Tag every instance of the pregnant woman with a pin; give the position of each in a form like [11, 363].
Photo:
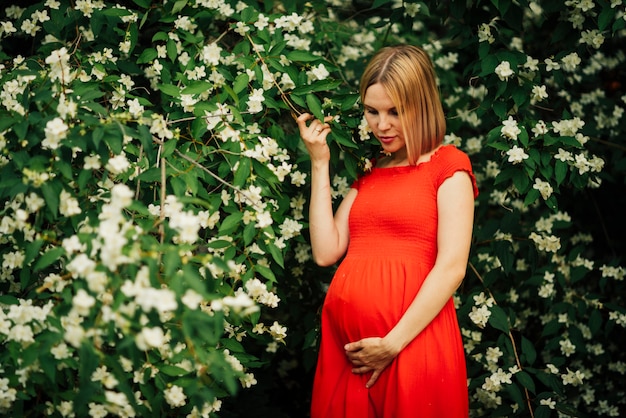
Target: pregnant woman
[390, 344]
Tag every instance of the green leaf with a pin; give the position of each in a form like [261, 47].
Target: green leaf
[595, 322]
[498, 319]
[525, 380]
[249, 233]
[528, 350]
[560, 170]
[531, 197]
[243, 172]
[277, 255]
[606, 16]
[178, 6]
[302, 56]
[315, 106]
[153, 174]
[171, 262]
[32, 250]
[231, 222]
[169, 90]
[170, 370]
[172, 52]
[500, 109]
[504, 251]
[51, 192]
[521, 182]
[143, 3]
[148, 55]
[241, 83]
[265, 272]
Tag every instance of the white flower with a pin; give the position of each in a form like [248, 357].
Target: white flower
[563, 155]
[548, 402]
[92, 162]
[544, 188]
[55, 131]
[546, 290]
[264, 219]
[175, 396]
[531, 64]
[510, 129]
[504, 71]
[118, 164]
[192, 299]
[567, 347]
[278, 332]
[318, 73]
[60, 351]
[539, 93]
[573, 378]
[298, 178]
[516, 155]
[290, 228]
[480, 316]
[21, 333]
[484, 34]
[187, 225]
[74, 334]
[592, 37]
[210, 54]
[571, 62]
[162, 300]
[82, 302]
[59, 65]
[150, 338]
[159, 127]
[68, 205]
[248, 380]
[551, 65]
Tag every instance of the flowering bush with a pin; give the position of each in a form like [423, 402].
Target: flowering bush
[153, 198]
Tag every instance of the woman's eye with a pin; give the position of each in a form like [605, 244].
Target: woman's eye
[371, 111]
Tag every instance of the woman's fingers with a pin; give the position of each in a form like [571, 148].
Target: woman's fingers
[316, 127]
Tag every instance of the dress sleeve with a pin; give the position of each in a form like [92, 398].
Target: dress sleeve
[452, 161]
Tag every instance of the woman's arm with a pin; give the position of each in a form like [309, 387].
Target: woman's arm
[329, 233]
[455, 202]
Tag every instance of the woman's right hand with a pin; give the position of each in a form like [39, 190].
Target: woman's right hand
[314, 136]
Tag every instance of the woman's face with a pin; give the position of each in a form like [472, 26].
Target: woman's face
[382, 117]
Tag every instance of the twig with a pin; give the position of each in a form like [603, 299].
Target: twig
[294, 111]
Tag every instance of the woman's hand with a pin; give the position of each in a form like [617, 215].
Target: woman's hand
[314, 136]
[370, 355]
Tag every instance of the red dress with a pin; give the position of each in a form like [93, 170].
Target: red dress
[393, 230]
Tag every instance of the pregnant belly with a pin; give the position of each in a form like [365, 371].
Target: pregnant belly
[367, 298]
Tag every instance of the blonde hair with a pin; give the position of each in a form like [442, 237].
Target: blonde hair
[408, 76]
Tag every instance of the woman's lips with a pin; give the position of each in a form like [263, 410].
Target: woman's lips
[386, 139]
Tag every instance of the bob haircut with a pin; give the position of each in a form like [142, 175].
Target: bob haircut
[408, 76]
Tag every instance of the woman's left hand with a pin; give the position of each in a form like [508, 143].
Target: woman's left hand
[370, 355]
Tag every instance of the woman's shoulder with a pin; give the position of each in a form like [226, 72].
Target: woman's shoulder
[449, 160]
[451, 151]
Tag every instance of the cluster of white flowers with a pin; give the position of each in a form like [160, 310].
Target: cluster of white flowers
[547, 243]
[257, 290]
[186, 223]
[547, 290]
[481, 313]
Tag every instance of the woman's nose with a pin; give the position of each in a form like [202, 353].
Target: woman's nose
[383, 122]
